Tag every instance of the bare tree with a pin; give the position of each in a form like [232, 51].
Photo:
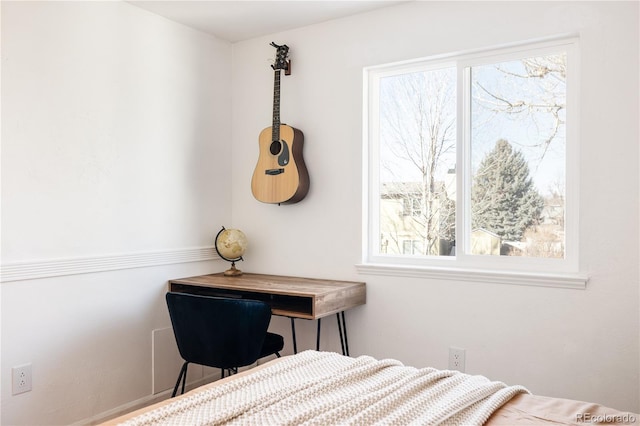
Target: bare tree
[419, 132]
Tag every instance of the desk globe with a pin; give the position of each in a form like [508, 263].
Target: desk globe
[230, 244]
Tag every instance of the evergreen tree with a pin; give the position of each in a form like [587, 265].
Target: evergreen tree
[503, 197]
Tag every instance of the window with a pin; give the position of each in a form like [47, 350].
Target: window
[412, 206]
[471, 160]
[412, 247]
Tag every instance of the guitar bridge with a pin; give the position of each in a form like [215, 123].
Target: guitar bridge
[273, 171]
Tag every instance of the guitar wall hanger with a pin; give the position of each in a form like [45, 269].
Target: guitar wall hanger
[286, 62]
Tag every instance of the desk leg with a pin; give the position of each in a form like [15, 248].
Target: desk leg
[293, 334]
[345, 348]
[340, 331]
[346, 340]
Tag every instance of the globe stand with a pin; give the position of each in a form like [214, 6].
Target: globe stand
[234, 255]
[232, 272]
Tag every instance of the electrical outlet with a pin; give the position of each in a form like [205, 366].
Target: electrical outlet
[456, 359]
[21, 379]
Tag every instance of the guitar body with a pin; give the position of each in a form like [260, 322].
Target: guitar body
[280, 175]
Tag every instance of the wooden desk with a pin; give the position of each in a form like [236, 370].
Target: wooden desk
[293, 297]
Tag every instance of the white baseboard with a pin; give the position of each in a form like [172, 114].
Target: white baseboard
[141, 403]
[124, 409]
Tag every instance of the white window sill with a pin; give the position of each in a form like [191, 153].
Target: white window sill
[577, 281]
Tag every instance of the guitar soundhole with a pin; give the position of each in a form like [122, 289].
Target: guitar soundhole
[275, 147]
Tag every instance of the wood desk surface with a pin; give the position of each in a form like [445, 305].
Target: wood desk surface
[297, 297]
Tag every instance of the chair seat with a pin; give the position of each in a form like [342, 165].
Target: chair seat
[272, 343]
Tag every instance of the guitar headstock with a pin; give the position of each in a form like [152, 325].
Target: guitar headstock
[280, 62]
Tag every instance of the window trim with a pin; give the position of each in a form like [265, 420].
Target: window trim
[518, 270]
[575, 281]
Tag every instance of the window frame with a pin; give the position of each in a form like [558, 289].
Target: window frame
[513, 269]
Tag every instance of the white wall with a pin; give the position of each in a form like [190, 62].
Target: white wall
[580, 344]
[115, 153]
[116, 141]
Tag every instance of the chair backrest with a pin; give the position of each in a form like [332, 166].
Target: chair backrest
[218, 332]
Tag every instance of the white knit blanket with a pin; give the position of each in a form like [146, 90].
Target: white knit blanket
[322, 388]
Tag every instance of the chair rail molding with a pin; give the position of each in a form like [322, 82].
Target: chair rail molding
[34, 269]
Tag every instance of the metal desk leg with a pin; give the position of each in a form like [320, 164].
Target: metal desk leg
[318, 336]
[293, 334]
[340, 331]
[345, 350]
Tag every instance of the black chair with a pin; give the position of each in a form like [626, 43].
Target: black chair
[220, 332]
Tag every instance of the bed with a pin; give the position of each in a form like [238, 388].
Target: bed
[325, 388]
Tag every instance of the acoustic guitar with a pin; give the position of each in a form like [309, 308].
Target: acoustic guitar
[280, 176]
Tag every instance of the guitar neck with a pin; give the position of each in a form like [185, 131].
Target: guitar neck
[275, 128]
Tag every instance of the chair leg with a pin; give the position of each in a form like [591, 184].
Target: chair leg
[182, 376]
[278, 354]
[230, 371]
